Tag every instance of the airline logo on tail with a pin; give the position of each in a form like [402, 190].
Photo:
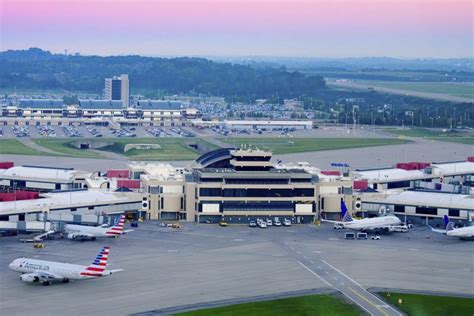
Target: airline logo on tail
[97, 268]
[345, 214]
[449, 225]
[117, 229]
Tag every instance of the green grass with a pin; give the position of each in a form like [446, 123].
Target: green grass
[63, 146]
[14, 147]
[296, 145]
[304, 305]
[433, 135]
[428, 305]
[415, 132]
[171, 148]
[460, 140]
[451, 88]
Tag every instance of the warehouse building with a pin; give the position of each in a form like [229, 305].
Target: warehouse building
[411, 175]
[42, 179]
[255, 124]
[80, 206]
[422, 207]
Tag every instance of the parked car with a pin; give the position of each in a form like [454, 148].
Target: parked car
[252, 224]
[276, 222]
[286, 222]
[269, 222]
[338, 226]
[262, 224]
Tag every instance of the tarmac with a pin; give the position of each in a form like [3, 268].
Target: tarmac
[203, 263]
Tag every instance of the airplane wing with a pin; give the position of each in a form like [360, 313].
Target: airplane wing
[128, 230]
[44, 276]
[440, 231]
[331, 221]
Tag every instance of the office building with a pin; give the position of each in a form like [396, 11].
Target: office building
[117, 88]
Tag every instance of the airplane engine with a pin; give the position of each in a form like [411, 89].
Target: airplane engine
[71, 236]
[28, 278]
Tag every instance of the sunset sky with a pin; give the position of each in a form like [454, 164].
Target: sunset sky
[308, 28]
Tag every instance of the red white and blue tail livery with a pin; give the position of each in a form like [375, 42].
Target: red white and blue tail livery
[80, 232]
[387, 223]
[45, 272]
[97, 268]
[466, 233]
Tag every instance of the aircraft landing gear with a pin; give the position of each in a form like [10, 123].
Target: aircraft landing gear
[45, 283]
[65, 280]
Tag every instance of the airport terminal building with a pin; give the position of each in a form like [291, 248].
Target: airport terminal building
[89, 111]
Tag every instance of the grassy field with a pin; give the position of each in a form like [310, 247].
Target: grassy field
[303, 305]
[171, 148]
[63, 146]
[433, 135]
[416, 132]
[460, 140]
[14, 147]
[295, 145]
[428, 305]
[451, 88]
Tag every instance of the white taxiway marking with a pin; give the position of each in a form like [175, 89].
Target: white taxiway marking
[315, 274]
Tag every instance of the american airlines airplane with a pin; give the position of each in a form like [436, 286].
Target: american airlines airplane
[384, 223]
[463, 232]
[45, 272]
[79, 232]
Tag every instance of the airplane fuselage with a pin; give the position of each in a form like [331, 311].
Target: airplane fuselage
[62, 270]
[373, 223]
[89, 231]
[463, 232]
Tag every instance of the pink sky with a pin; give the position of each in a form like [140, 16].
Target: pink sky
[318, 28]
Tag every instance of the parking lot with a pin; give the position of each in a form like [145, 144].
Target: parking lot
[89, 131]
[167, 267]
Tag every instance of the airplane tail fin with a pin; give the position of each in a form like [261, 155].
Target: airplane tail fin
[118, 228]
[345, 214]
[98, 266]
[449, 225]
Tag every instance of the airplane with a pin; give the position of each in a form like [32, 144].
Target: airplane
[463, 232]
[385, 224]
[79, 232]
[44, 272]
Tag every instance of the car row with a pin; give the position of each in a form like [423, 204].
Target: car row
[157, 132]
[123, 132]
[94, 131]
[21, 131]
[71, 131]
[264, 223]
[46, 130]
[181, 132]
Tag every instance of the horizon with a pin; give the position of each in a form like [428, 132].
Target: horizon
[417, 29]
[72, 53]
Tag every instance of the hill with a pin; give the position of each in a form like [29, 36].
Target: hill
[36, 68]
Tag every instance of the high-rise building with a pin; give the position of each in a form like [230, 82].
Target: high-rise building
[117, 88]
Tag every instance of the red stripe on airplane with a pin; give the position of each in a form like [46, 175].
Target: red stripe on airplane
[95, 269]
[91, 274]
